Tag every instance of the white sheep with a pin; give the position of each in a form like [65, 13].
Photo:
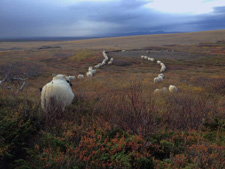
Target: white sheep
[80, 76]
[98, 65]
[161, 74]
[103, 62]
[145, 57]
[162, 90]
[158, 79]
[105, 55]
[90, 68]
[159, 62]
[57, 94]
[89, 74]
[93, 71]
[163, 68]
[142, 56]
[173, 88]
[110, 61]
[152, 59]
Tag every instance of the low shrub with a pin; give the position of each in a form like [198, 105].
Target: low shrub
[19, 125]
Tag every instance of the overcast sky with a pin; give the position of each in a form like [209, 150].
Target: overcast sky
[85, 18]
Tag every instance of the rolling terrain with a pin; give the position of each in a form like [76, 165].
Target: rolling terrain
[130, 42]
[116, 120]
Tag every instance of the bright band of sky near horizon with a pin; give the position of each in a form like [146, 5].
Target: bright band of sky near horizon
[185, 6]
[165, 6]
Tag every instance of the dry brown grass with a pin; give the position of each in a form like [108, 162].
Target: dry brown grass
[122, 93]
[118, 43]
[187, 125]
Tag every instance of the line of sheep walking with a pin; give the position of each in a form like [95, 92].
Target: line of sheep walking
[160, 77]
[58, 92]
[106, 58]
[92, 71]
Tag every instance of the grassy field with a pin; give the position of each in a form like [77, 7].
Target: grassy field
[115, 120]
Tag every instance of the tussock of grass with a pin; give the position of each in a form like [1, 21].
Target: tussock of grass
[81, 55]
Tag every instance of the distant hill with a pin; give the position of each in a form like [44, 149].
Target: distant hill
[24, 39]
[124, 42]
[142, 33]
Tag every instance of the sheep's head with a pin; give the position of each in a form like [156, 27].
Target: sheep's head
[64, 77]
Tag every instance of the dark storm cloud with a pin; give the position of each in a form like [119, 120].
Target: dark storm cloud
[211, 21]
[26, 18]
[129, 15]
[116, 12]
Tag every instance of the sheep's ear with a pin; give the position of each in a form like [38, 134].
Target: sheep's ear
[71, 77]
[53, 74]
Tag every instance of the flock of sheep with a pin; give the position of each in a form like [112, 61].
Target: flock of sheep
[60, 92]
[59, 89]
[160, 77]
[92, 71]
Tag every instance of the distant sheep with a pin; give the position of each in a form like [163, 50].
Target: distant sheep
[90, 69]
[151, 59]
[162, 90]
[105, 55]
[93, 71]
[145, 57]
[163, 67]
[57, 94]
[158, 79]
[110, 61]
[80, 76]
[173, 89]
[98, 65]
[161, 75]
[159, 62]
[103, 62]
[89, 74]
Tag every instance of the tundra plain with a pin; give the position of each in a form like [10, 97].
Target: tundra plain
[116, 120]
